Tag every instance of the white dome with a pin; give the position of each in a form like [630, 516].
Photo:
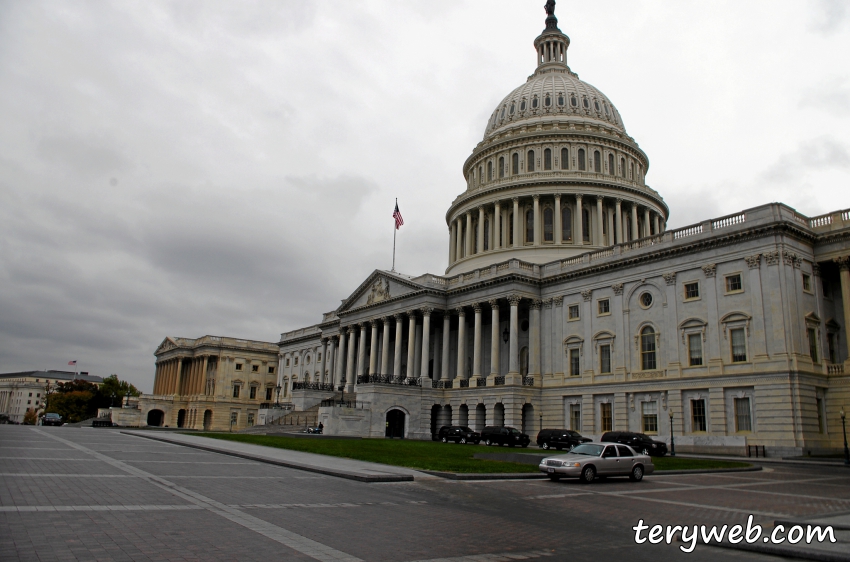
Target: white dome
[568, 98]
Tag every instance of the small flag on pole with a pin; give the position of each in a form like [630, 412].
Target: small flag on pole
[397, 216]
[72, 362]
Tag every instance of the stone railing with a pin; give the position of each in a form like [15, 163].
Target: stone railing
[528, 381]
[687, 231]
[729, 220]
[312, 386]
[442, 384]
[386, 379]
[837, 218]
[499, 381]
[835, 369]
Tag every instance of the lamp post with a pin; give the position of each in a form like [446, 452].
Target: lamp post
[128, 398]
[112, 404]
[506, 335]
[672, 443]
[277, 400]
[844, 430]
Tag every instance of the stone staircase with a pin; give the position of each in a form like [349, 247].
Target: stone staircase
[296, 420]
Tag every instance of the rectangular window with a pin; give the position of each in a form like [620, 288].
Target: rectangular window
[698, 415]
[742, 415]
[271, 370]
[694, 349]
[296, 361]
[234, 418]
[604, 359]
[739, 345]
[807, 283]
[255, 368]
[575, 363]
[253, 392]
[250, 419]
[575, 417]
[603, 306]
[239, 366]
[236, 389]
[605, 417]
[733, 283]
[573, 312]
[319, 358]
[691, 290]
[813, 344]
[287, 362]
[821, 424]
[269, 393]
[649, 416]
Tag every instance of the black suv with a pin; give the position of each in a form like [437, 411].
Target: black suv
[560, 439]
[51, 419]
[637, 441]
[504, 436]
[458, 434]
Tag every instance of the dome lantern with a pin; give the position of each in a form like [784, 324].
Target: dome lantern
[552, 44]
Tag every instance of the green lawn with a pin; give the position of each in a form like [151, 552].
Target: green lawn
[429, 455]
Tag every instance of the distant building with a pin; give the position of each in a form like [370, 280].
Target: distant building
[26, 390]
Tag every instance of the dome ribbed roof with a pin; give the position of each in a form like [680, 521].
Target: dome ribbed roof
[570, 99]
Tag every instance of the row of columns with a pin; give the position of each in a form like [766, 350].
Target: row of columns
[844, 277]
[464, 243]
[183, 376]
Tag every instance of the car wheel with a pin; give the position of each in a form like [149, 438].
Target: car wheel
[545, 446]
[588, 475]
[487, 442]
[445, 440]
[645, 451]
[554, 477]
[637, 474]
[462, 441]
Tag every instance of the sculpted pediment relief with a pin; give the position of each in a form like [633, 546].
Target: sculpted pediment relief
[379, 287]
[166, 345]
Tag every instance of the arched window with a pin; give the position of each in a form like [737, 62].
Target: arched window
[584, 102]
[566, 224]
[534, 102]
[502, 115]
[475, 237]
[611, 169]
[565, 159]
[596, 105]
[501, 166]
[548, 224]
[561, 99]
[631, 170]
[522, 105]
[597, 161]
[511, 229]
[623, 167]
[547, 159]
[515, 163]
[489, 171]
[585, 225]
[480, 174]
[605, 105]
[529, 226]
[573, 101]
[513, 105]
[486, 234]
[582, 165]
[647, 349]
[530, 162]
[547, 101]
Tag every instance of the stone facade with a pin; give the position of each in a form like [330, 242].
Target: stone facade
[27, 390]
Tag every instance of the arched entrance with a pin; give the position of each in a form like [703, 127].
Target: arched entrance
[480, 417]
[528, 419]
[207, 420]
[395, 424]
[181, 418]
[435, 418]
[499, 415]
[155, 418]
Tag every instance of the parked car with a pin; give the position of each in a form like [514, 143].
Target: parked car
[51, 419]
[560, 439]
[637, 441]
[458, 434]
[589, 461]
[504, 436]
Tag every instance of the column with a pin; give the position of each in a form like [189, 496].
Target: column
[411, 343]
[458, 239]
[516, 222]
[156, 380]
[844, 275]
[447, 324]
[513, 359]
[385, 347]
[468, 238]
[476, 342]
[399, 332]
[610, 240]
[600, 236]
[461, 343]
[373, 350]
[647, 228]
[452, 245]
[349, 360]
[497, 230]
[479, 247]
[578, 234]
[361, 351]
[534, 339]
[537, 229]
[558, 226]
[179, 377]
[495, 337]
[340, 359]
[656, 224]
[324, 363]
[619, 212]
[202, 383]
[417, 356]
[635, 234]
[332, 361]
[426, 343]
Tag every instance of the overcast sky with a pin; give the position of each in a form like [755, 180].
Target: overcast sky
[229, 168]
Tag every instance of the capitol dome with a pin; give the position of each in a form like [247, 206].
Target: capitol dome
[555, 176]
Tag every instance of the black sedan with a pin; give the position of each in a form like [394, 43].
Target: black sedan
[560, 439]
[638, 441]
[458, 434]
[51, 419]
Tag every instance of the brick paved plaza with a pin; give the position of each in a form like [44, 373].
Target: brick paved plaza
[89, 494]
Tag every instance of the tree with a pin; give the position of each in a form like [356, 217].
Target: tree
[30, 417]
[75, 400]
[112, 385]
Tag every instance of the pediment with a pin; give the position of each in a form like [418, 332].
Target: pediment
[379, 287]
[167, 345]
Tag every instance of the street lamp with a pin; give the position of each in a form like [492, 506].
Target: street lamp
[672, 443]
[112, 404]
[128, 397]
[506, 335]
[277, 400]
[844, 430]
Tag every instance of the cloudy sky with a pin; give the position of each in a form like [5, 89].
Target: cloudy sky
[229, 168]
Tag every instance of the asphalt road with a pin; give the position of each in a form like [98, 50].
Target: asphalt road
[97, 494]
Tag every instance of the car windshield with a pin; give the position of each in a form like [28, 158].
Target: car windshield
[514, 431]
[465, 429]
[588, 449]
[574, 433]
[51, 415]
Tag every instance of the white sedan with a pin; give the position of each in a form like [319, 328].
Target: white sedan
[591, 460]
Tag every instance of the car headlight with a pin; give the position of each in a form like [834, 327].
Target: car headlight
[576, 464]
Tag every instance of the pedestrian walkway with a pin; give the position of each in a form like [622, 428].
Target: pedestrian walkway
[333, 466]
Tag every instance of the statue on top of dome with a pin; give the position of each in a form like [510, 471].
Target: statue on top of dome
[550, 7]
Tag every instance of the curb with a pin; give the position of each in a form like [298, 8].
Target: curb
[777, 550]
[486, 476]
[286, 464]
[706, 470]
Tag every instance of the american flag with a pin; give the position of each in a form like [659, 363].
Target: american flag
[397, 216]
[72, 362]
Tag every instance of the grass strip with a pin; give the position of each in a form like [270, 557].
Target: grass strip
[425, 455]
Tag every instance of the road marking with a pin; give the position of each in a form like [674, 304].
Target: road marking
[278, 534]
[48, 475]
[505, 557]
[45, 508]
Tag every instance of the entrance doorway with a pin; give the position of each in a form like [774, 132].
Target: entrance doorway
[395, 424]
[181, 418]
[155, 418]
[207, 420]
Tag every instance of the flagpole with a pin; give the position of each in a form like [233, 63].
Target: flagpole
[395, 228]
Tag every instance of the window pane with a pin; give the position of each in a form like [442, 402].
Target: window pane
[566, 224]
[611, 168]
[565, 159]
[547, 159]
[698, 415]
[695, 349]
[739, 347]
[606, 417]
[575, 364]
[530, 161]
[515, 163]
[605, 358]
[649, 411]
[529, 226]
[813, 344]
[647, 342]
[604, 306]
[733, 283]
[501, 167]
[742, 414]
[597, 161]
[691, 290]
[548, 225]
[582, 165]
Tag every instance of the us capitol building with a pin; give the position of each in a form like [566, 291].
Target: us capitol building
[566, 303]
